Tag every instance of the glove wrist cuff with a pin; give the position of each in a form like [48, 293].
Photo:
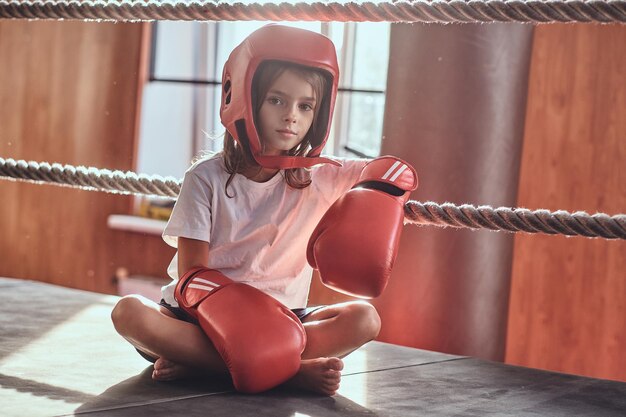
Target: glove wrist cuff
[192, 288]
[390, 170]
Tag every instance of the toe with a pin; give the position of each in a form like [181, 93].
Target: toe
[158, 364]
[331, 373]
[331, 389]
[335, 363]
[162, 363]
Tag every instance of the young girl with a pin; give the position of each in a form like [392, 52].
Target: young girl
[248, 212]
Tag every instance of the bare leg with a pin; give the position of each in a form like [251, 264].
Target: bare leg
[339, 329]
[332, 333]
[153, 330]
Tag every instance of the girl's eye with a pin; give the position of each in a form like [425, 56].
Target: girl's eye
[306, 107]
[273, 100]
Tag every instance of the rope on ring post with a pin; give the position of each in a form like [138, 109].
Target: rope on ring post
[442, 11]
[561, 222]
[90, 178]
[447, 214]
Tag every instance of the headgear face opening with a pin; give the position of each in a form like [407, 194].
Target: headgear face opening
[285, 44]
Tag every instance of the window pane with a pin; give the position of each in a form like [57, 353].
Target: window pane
[184, 50]
[166, 129]
[366, 122]
[175, 43]
[371, 56]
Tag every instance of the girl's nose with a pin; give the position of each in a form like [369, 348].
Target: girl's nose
[290, 115]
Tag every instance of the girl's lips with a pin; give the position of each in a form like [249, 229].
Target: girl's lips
[286, 132]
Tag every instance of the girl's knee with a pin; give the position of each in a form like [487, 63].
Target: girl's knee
[126, 312]
[373, 322]
[366, 319]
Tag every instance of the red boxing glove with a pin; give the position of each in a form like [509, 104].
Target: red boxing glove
[355, 244]
[259, 339]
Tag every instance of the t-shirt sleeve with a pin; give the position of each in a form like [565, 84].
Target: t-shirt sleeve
[335, 181]
[191, 216]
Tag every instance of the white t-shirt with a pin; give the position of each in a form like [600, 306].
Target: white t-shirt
[260, 235]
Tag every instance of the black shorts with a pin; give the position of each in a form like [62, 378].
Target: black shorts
[184, 316]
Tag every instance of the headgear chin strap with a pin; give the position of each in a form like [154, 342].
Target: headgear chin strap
[276, 43]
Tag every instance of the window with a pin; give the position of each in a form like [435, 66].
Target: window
[180, 111]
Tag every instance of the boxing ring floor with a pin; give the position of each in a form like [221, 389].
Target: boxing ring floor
[60, 356]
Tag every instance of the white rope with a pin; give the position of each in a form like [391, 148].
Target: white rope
[442, 11]
[90, 178]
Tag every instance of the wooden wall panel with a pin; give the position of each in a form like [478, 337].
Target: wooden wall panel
[69, 93]
[568, 297]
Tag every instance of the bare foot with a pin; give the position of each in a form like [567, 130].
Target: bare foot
[320, 375]
[166, 370]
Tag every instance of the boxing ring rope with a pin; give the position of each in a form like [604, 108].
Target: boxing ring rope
[442, 11]
[429, 213]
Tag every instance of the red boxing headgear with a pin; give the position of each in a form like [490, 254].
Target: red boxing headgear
[276, 43]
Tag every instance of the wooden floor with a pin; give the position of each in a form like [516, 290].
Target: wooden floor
[60, 356]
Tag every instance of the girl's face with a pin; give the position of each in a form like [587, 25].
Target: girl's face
[286, 113]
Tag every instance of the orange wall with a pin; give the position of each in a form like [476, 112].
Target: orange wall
[568, 295]
[69, 93]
